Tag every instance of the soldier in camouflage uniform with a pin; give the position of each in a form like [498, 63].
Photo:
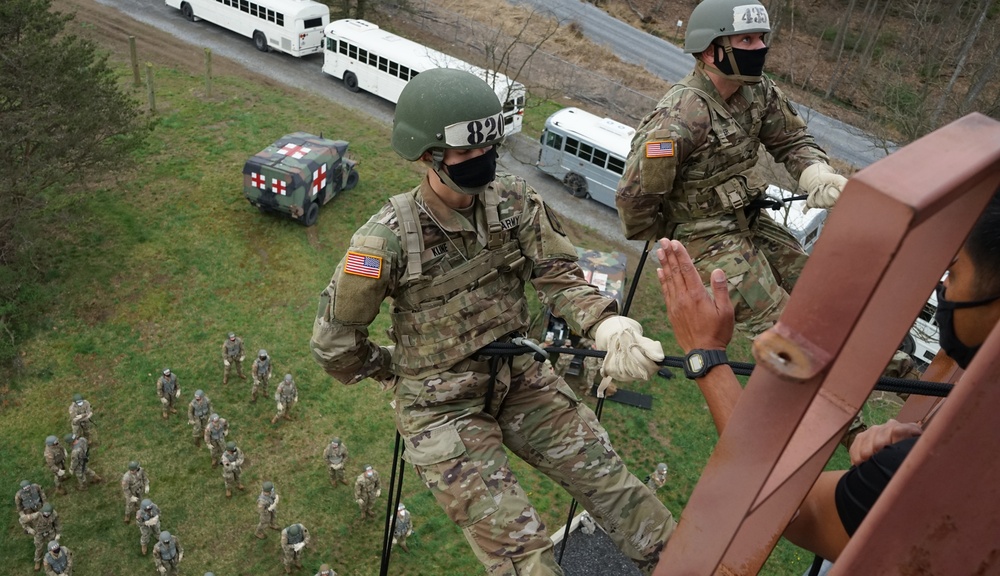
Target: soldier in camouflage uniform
[325, 570]
[168, 391]
[58, 560]
[658, 478]
[79, 459]
[199, 410]
[147, 518]
[80, 416]
[336, 457]
[135, 484]
[45, 527]
[403, 528]
[454, 255]
[692, 176]
[232, 353]
[261, 373]
[294, 540]
[232, 468]
[367, 488]
[167, 554]
[215, 437]
[267, 509]
[28, 500]
[285, 396]
[55, 461]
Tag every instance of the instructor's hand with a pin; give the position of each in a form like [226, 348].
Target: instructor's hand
[630, 355]
[699, 320]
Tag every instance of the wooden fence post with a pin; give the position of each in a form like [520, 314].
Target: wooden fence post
[136, 81]
[208, 72]
[149, 87]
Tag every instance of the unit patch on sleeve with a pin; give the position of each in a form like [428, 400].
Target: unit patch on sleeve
[363, 265]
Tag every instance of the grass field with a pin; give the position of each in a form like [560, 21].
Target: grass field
[159, 264]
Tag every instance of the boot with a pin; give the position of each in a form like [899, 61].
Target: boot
[197, 441]
[344, 482]
[242, 377]
[240, 487]
[164, 414]
[127, 519]
[96, 479]
[288, 569]
[298, 563]
[274, 527]
[275, 419]
[403, 546]
[288, 416]
[61, 490]
[229, 493]
[253, 397]
[214, 462]
[225, 380]
[260, 535]
[173, 410]
[38, 566]
[144, 550]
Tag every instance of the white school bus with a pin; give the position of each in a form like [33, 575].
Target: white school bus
[368, 58]
[291, 26]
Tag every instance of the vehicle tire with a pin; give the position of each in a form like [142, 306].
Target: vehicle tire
[260, 41]
[187, 12]
[352, 180]
[908, 345]
[351, 81]
[576, 184]
[312, 214]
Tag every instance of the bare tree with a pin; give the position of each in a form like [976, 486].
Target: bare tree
[962, 58]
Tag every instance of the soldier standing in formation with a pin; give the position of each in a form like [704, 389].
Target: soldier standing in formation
[80, 462]
[215, 437]
[199, 410]
[232, 353]
[454, 255]
[147, 518]
[294, 539]
[336, 457]
[286, 395]
[55, 460]
[325, 570]
[267, 509]
[28, 500]
[80, 416]
[167, 554]
[260, 370]
[135, 484]
[692, 176]
[45, 527]
[658, 478]
[232, 467]
[58, 560]
[403, 528]
[168, 391]
[367, 488]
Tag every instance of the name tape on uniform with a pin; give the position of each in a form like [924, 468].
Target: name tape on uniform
[474, 132]
[363, 265]
[660, 149]
[750, 16]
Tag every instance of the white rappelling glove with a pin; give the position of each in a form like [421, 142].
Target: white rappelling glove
[226, 363]
[822, 184]
[630, 355]
[163, 401]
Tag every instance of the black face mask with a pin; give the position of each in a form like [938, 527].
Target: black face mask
[957, 350]
[750, 62]
[475, 172]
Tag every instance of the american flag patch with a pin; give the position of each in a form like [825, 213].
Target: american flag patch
[660, 149]
[363, 265]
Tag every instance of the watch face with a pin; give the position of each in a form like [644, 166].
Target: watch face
[696, 363]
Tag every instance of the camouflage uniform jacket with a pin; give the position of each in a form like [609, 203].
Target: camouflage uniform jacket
[55, 458]
[63, 564]
[135, 484]
[231, 461]
[169, 553]
[404, 524]
[199, 410]
[215, 433]
[232, 350]
[78, 410]
[80, 455]
[286, 393]
[266, 499]
[365, 488]
[30, 499]
[46, 527]
[167, 386]
[692, 165]
[261, 368]
[463, 290]
[335, 455]
[287, 540]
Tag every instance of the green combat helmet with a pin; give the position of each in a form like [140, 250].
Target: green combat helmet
[446, 108]
[146, 503]
[133, 465]
[231, 446]
[47, 509]
[69, 438]
[164, 537]
[25, 484]
[51, 440]
[716, 20]
[78, 398]
[268, 486]
[294, 530]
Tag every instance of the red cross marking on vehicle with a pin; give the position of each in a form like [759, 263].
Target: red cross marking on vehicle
[258, 180]
[319, 179]
[294, 150]
[278, 187]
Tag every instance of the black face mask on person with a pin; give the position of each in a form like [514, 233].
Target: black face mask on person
[475, 172]
[749, 62]
[957, 350]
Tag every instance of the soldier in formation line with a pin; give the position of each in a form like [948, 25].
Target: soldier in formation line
[232, 353]
[168, 391]
[260, 370]
[403, 528]
[215, 437]
[285, 396]
[135, 484]
[58, 560]
[167, 554]
[55, 461]
[199, 411]
[80, 462]
[80, 418]
[28, 500]
[336, 457]
[658, 477]
[367, 488]
[147, 518]
[267, 509]
[232, 468]
[325, 570]
[45, 527]
[294, 540]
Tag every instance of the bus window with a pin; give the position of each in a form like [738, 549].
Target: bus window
[572, 145]
[352, 52]
[616, 165]
[310, 23]
[383, 64]
[600, 157]
[393, 68]
[245, 6]
[343, 47]
[553, 140]
[586, 152]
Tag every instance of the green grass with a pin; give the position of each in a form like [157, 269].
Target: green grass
[154, 269]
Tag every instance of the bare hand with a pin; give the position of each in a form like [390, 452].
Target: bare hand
[877, 437]
[699, 320]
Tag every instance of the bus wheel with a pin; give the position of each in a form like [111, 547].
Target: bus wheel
[908, 345]
[576, 184]
[260, 41]
[352, 180]
[312, 214]
[187, 12]
[351, 81]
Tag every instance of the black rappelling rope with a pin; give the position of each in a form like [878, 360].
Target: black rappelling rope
[395, 492]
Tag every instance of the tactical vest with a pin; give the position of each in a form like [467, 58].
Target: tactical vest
[57, 455]
[439, 321]
[265, 500]
[57, 564]
[295, 539]
[263, 366]
[286, 393]
[229, 459]
[200, 408]
[78, 410]
[402, 523]
[217, 432]
[134, 483]
[336, 455]
[232, 348]
[168, 551]
[145, 516]
[31, 499]
[45, 526]
[725, 181]
[169, 384]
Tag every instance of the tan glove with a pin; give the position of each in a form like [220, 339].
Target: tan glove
[146, 489]
[630, 355]
[152, 521]
[299, 546]
[163, 401]
[280, 406]
[378, 493]
[226, 363]
[133, 499]
[361, 502]
[822, 184]
[61, 473]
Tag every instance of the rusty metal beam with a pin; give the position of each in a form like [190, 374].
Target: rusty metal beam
[894, 231]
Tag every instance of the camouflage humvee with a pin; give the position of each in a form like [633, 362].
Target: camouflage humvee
[297, 174]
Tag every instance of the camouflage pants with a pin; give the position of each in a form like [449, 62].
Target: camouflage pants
[587, 376]
[41, 544]
[171, 566]
[132, 507]
[268, 519]
[84, 429]
[232, 478]
[58, 480]
[259, 387]
[234, 361]
[217, 447]
[147, 532]
[457, 448]
[169, 405]
[337, 474]
[369, 504]
[285, 407]
[84, 477]
[290, 557]
[198, 428]
[762, 267]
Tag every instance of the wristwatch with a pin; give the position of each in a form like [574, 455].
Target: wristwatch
[698, 362]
